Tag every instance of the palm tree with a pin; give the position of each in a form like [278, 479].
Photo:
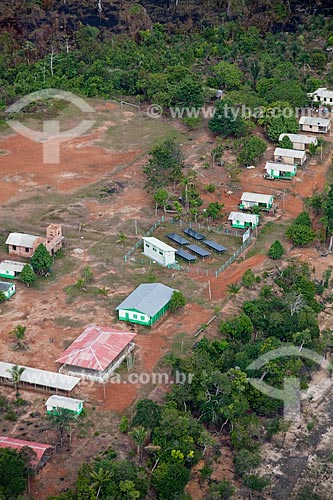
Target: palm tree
[233, 288]
[188, 182]
[62, 418]
[15, 376]
[121, 238]
[19, 332]
[103, 291]
[99, 478]
[139, 435]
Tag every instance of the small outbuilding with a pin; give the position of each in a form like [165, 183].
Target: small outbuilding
[159, 251]
[146, 304]
[280, 170]
[313, 124]
[7, 288]
[11, 268]
[96, 353]
[300, 141]
[262, 201]
[289, 156]
[55, 402]
[243, 220]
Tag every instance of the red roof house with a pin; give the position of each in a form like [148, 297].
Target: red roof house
[39, 448]
[97, 352]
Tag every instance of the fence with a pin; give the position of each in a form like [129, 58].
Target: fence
[197, 225]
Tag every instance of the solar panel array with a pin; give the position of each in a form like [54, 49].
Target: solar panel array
[185, 255]
[177, 239]
[194, 234]
[199, 251]
[215, 246]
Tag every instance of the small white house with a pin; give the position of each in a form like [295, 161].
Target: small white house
[159, 251]
[322, 95]
[250, 200]
[280, 170]
[55, 402]
[11, 268]
[313, 124]
[243, 220]
[289, 156]
[300, 141]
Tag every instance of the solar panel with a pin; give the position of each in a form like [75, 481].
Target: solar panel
[185, 255]
[177, 239]
[199, 251]
[215, 246]
[194, 234]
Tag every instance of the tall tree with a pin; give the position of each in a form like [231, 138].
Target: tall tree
[15, 376]
[41, 260]
[164, 166]
[19, 332]
[62, 419]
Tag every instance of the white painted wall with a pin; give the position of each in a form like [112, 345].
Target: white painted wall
[162, 257]
[131, 315]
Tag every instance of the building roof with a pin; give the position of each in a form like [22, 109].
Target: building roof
[302, 139]
[159, 244]
[17, 444]
[282, 167]
[148, 298]
[322, 92]
[21, 240]
[312, 120]
[96, 348]
[243, 217]
[260, 198]
[12, 265]
[5, 286]
[42, 378]
[289, 153]
[63, 402]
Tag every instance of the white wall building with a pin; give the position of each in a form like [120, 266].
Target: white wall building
[300, 141]
[159, 251]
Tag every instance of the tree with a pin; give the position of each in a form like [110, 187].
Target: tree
[128, 487]
[169, 479]
[303, 219]
[27, 275]
[248, 278]
[87, 274]
[281, 125]
[177, 301]
[2, 297]
[121, 238]
[62, 418]
[41, 260]
[12, 474]
[147, 414]
[164, 166]
[276, 250]
[161, 197]
[15, 373]
[227, 120]
[227, 75]
[239, 328]
[223, 490]
[300, 235]
[99, 477]
[286, 143]
[139, 435]
[188, 93]
[233, 288]
[245, 460]
[214, 209]
[252, 150]
[19, 332]
[255, 482]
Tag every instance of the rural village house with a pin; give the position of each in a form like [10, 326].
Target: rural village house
[313, 124]
[96, 353]
[243, 220]
[43, 451]
[25, 245]
[7, 288]
[280, 170]
[300, 141]
[55, 402]
[290, 156]
[250, 200]
[322, 95]
[146, 304]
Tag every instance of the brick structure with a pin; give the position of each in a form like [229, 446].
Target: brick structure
[24, 245]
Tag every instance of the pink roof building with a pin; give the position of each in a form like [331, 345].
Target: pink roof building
[97, 352]
[39, 448]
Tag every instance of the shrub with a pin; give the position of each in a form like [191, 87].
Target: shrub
[276, 250]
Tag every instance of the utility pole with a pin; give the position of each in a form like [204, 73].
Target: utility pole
[209, 291]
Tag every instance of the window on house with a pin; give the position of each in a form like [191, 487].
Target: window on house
[161, 253]
[27, 249]
[14, 247]
[154, 249]
[310, 126]
[142, 318]
[135, 316]
[148, 246]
